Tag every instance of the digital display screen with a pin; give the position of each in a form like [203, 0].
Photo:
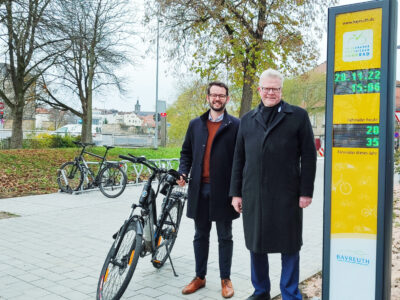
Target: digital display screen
[356, 135]
[357, 82]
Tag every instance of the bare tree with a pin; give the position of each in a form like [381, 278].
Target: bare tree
[24, 36]
[98, 31]
[58, 117]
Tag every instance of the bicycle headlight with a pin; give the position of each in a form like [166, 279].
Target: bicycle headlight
[170, 179]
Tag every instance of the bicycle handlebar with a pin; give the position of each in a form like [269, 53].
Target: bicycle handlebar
[134, 159]
[144, 161]
[186, 178]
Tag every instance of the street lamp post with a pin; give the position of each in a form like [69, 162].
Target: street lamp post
[156, 114]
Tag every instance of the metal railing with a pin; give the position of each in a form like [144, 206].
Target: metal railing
[141, 172]
[112, 139]
[122, 140]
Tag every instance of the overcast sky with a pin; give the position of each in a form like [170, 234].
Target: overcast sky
[142, 83]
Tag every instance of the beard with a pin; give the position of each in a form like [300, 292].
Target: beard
[218, 109]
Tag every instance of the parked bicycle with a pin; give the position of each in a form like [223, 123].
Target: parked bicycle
[143, 234]
[74, 175]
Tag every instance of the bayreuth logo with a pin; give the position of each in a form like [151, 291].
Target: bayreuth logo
[353, 257]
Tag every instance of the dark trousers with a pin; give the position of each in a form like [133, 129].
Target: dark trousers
[201, 240]
[289, 275]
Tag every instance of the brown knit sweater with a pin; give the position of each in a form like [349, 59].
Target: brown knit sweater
[212, 130]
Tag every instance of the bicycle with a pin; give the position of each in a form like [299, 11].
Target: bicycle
[110, 178]
[143, 234]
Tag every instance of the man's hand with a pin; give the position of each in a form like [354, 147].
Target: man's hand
[305, 201]
[181, 181]
[237, 204]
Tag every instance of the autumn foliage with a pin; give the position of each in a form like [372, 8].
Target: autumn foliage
[30, 171]
[33, 171]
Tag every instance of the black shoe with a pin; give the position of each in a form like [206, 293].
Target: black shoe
[265, 296]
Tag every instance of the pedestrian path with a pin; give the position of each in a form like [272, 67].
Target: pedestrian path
[56, 248]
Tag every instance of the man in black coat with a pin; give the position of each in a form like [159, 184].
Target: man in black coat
[207, 153]
[272, 181]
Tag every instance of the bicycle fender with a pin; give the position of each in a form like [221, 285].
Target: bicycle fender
[139, 228]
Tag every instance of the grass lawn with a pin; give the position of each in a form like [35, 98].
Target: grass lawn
[33, 171]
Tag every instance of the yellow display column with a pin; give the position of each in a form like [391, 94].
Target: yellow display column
[355, 155]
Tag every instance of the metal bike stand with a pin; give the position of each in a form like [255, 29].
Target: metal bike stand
[170, 261]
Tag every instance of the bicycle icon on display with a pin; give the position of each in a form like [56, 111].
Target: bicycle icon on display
[344, 187]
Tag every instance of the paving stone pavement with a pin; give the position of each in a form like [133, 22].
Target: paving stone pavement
[56, 249]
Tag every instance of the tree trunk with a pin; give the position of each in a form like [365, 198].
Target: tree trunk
[87, 127]
[87, 112]
[17, 133]
[247, 94]
[249, 77]
[87, 116]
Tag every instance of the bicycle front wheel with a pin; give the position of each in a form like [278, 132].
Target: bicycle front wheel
[112, 181]
[167, 234]
[120, 264]
[69, 177]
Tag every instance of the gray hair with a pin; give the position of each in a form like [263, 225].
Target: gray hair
[271, 73]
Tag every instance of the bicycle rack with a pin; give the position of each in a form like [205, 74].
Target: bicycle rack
[138, 169]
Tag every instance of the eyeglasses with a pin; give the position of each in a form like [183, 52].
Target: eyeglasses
[274, 90]
[215, 96]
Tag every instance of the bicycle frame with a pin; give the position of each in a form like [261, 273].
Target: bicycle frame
[83, 165]
[148, 214]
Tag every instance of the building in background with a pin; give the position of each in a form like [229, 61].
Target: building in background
[147, 117]
[140, 113]
[317, 112]
[42, 119]
[52, 119]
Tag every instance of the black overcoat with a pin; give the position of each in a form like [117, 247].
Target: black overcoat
[221, 158]
[272, 168]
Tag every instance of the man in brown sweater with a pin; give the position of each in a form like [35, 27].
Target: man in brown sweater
[207, 154]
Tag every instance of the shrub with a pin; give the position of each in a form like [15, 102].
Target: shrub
[64, 141]
[45, 140]
[397, 161]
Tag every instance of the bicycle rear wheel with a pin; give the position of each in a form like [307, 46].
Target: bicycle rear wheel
[69, 177]
[119, 266]
[112, 181]
[168, 232]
